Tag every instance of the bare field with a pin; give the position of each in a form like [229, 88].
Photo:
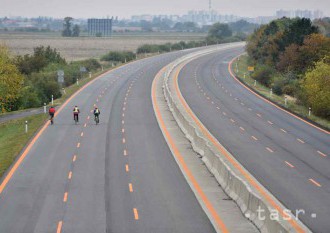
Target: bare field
[87, 47]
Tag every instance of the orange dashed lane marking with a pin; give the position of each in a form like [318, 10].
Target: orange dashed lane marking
[254, 138]
[123, 130]
[74, 158]
[78, 144]
[127, 168]
[82, 134]
[85, 125]
[70, 175]
[258, 115]
[232, 120]
[242, 128]
[270, 122]
[315, 183]
[283, 131]
[130, 186]
[65, 198]
[136, 214]
[125, 152]
[59, 227]
[124, 140]
[289, 164]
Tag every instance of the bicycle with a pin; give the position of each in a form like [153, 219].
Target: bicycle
[97, 119]
[75, 116]
[51, 119]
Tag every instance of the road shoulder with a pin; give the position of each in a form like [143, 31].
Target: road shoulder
[223, 212]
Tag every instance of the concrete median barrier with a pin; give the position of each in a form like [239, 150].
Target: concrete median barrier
[227, 175]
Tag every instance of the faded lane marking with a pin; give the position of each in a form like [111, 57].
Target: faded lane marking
[324, 155]
[289, 164]
[315, 183]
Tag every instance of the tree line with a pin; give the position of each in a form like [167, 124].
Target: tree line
[292, 56]
[29, 81]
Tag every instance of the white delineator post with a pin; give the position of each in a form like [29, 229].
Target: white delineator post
[26, 126]
[45, 108]
[52, 99]
[309, 111]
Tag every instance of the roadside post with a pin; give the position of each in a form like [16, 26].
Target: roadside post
[271, 92]
[52, 99]
[77, 81]
[255, 82]
[26, 126]
[286, 101]
[309, 111]
[90, 74]
[45, 108]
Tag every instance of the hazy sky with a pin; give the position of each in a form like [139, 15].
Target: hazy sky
[126, 8]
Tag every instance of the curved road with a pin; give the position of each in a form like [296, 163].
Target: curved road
[119, 176]
[289, 157]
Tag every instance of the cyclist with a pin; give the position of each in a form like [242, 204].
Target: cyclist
[97, 115]
[51, 114]
[76, 112]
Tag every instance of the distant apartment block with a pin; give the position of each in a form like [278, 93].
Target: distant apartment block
[99, 27]
[299, 13]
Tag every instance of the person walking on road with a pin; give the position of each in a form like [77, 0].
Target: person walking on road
[52, 114]
[76, 112]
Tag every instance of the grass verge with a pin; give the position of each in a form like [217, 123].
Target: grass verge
[240, 67]
[13, 138]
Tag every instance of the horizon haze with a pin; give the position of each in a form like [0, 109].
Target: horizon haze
[127, 8]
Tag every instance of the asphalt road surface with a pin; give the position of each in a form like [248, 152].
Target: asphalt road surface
[118, 176]
[289, 157]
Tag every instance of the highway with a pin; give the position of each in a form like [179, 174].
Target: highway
[289, 157]
[118, 176]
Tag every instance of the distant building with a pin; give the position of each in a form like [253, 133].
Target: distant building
[299, 13]
[99, 27]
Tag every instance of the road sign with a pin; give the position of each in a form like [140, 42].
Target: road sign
[83, 69]
[60, 76]
[250, 68]
[60, 72]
